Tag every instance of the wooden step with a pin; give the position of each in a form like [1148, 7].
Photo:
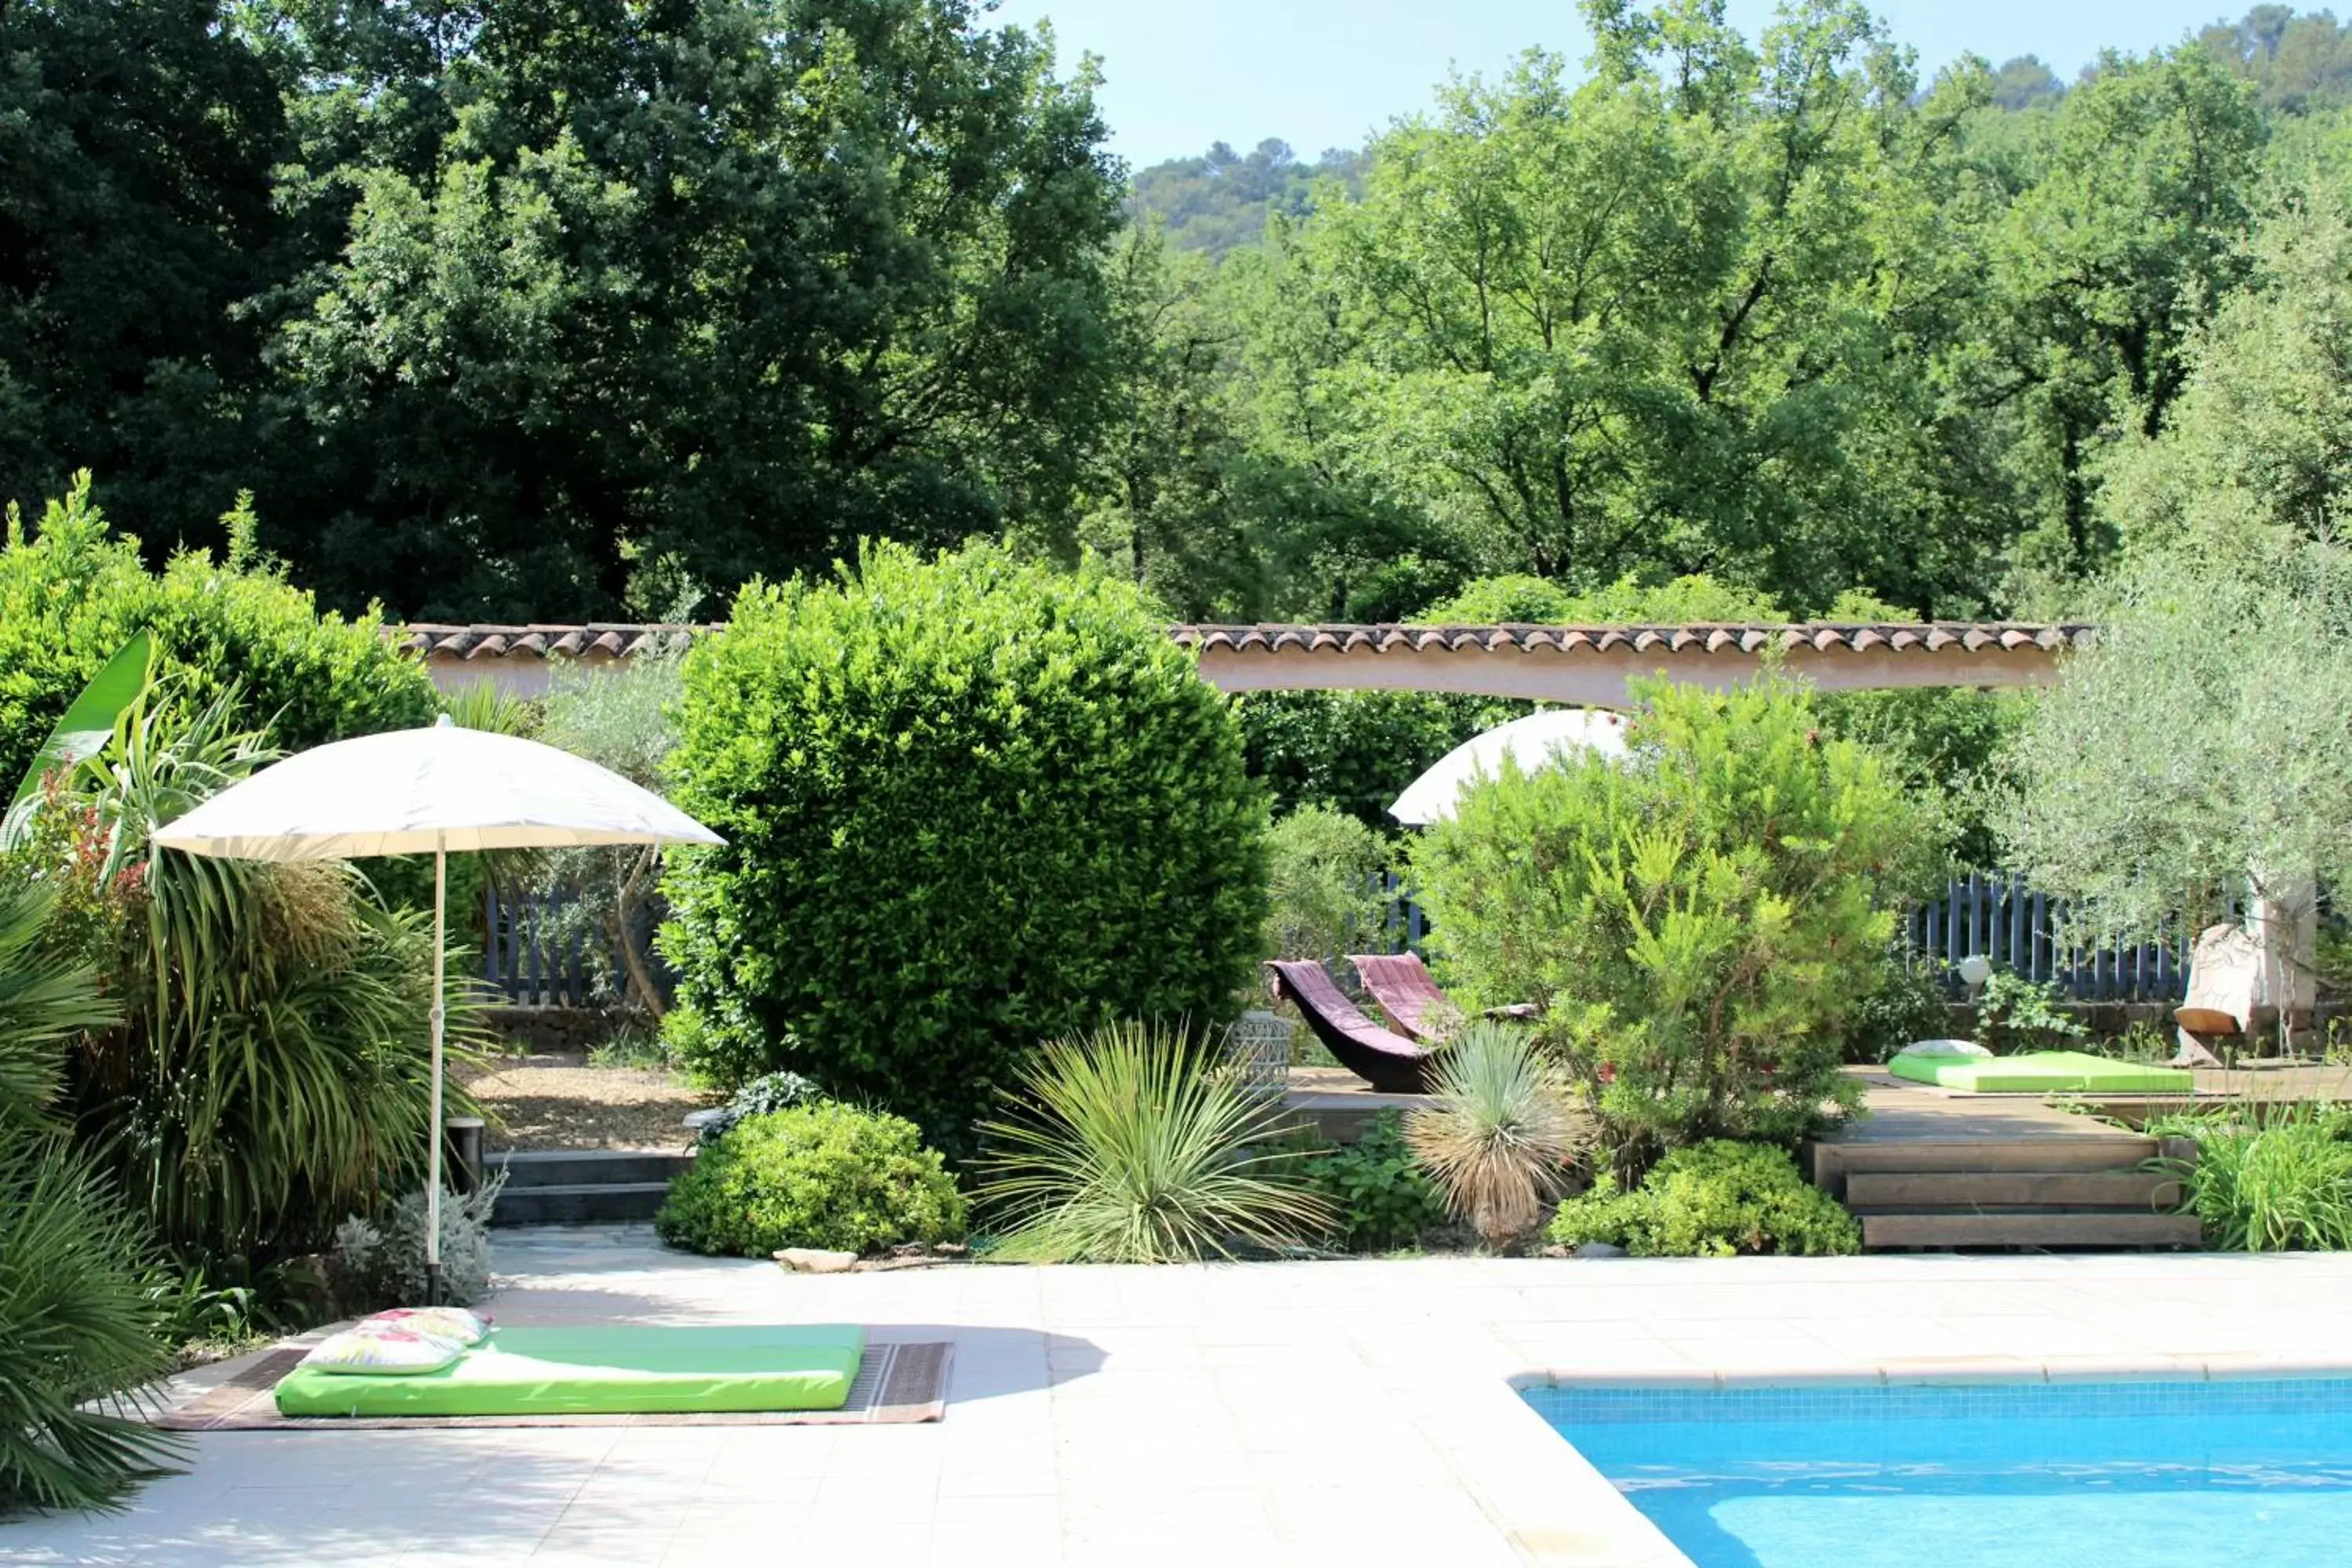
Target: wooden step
[2145, 1192]
[1948, 1230]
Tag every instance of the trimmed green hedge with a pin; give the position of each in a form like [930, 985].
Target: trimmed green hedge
[827, 1175]
[71, 594]
[970, 804]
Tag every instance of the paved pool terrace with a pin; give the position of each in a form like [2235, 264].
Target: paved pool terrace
[1226, 1415]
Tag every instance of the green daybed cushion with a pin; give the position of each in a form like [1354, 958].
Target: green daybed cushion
[2043, 1072]
[607, 1369]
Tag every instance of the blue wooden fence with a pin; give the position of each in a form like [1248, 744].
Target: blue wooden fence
[1999, 916]
[1996, 915]
[530, 964]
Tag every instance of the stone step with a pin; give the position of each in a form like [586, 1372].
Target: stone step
[2145, 1192]
[2091, 1151]
[1881, 1231]
[581, 1204]
[586, 1167]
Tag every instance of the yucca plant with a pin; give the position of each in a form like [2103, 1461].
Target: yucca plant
[1132, 1145]
[271, 1072]
[1498, 1133]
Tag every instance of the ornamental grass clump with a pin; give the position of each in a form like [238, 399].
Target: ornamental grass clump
[1500, 1133]
[2274, 1178]
[1131, 1145]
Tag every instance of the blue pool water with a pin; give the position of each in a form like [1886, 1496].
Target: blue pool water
[2150, 1474]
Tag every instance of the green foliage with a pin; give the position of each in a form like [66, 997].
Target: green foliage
[47, 1001]
[1497, 1135]
[1586, 386]
[2297, 64]
[2198, 746]
[2142, 1043]
[969, 805]
[556, 356]
[1222, 199]
[1698, 922]
[1909, 1003]
[606, 898]
[825, 1175]
[2132, 229]
[139, 139]
[1322, 871]
[1380, 1198]
[71, 595]
[2279, 1181]
[1626, 601]
[1130, 1145]
[2013, 1014]
[82, 1318]
[1716, 1199]
[79, 1330]
[764, 1096]
[378, 1260]
[87, 724]
[1356, 750]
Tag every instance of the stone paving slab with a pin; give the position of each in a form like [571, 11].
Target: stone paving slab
[1228, 1415]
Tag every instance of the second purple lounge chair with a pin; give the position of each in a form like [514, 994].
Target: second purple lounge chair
[1381, 1058]
[1408, 993]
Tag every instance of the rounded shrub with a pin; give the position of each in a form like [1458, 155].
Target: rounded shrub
[826, 1176]
[970, 804]
[1714, 1199]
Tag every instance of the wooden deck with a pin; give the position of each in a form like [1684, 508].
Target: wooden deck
[1931, 1167]
[1338, 1103]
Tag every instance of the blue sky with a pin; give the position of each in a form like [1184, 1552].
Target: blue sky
[1322, 73]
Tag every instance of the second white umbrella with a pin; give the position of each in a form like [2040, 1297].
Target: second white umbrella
[1532, 742]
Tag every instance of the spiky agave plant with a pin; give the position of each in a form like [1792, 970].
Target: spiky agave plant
[1498, 1133]
[1131, 1145]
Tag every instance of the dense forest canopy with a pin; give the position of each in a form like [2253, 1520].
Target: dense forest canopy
[571, 309]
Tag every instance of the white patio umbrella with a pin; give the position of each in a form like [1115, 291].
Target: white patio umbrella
[429, 791]
[1532, 742]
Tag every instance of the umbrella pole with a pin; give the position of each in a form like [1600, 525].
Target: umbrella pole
[433, 1134]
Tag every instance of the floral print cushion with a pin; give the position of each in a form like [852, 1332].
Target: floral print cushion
[441, 1322]
[379, 1349]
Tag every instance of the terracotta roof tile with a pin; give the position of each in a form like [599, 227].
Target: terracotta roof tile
[617, 640]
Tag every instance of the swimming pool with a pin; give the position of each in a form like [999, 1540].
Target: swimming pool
[2153, 1474]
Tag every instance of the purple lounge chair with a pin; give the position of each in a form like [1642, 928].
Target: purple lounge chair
[1381, 1058]
[1410, 995]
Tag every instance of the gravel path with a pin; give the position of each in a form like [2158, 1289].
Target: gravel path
[555, 1100]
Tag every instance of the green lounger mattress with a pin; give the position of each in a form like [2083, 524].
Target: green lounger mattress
[2043, 1072]
[616, 1369]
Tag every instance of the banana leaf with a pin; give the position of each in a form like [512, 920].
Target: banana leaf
[89, 724]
